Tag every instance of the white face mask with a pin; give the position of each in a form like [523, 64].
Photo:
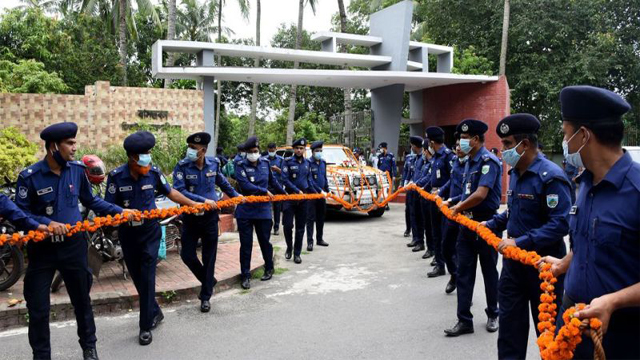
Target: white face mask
[253, 157]
[272, 154]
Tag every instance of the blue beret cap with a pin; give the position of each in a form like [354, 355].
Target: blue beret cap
[59, 131]
[271, 145]
[435, 133]
[200, 138]
[251, 143]
[317, 144]
[382, 145]
[518, 124]
[589, 104]
[240, 147]
[300, 142]
[416, 140]
[472, 127]
[139, 142]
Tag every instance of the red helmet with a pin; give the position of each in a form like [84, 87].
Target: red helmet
[95, 169]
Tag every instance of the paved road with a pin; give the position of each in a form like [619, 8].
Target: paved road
[366, 296]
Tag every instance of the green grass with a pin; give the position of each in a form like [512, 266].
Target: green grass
[258, 273]
[305, 253]
[276, 248]
[245, 291]
[280, 271]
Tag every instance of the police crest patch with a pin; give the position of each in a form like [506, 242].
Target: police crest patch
[504, 128]
[112, 188]
[485, 169]
[465, 127]
[22, 192]
[552, 200]
[179, 175]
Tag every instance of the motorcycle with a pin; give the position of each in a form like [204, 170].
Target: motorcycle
[11, 256]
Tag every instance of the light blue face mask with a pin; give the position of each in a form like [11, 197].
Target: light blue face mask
[465, 145]
[272, 154]
[573, 159]
[192, 154]
[144, 160]
[317, 155]
[511, 156]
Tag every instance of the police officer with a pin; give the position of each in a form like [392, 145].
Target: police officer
[133, 186]
[196, 177]
[480, 201]
[221, 157]
[240, 155]
[440, 173]
[415, 214]
[317, 207]
[387, 162]
[452, 190]
[424, 181]
[276, 162]
[255, 177]
[407, 174]
[296, 176]
[536, 220]
[603, 266]
[48, 192]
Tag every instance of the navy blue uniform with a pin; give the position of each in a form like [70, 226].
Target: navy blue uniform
[10, 211]
[387, 162]
[440, 173]
[407, 174]
[317, 207]
[140, 240]
[255, 180]
[604, 229]
[276, 205]
[424, 181]
[452, 189]
[200, 185]
[571, 172]
[481, 170]
[417, 219]
[296, 176]
[45, 196]
[538, 204]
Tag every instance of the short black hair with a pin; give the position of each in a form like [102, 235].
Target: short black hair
[608, 133]
[533, 138]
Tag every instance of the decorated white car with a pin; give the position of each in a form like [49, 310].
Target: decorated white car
[359, 185]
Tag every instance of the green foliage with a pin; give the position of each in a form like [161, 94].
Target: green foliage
[29, 76]
[16, 152]
[468, 62]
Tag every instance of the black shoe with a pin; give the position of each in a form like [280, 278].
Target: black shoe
[492, 325]
[460, 329]
[145, 337]
[246, 284]
[417, 248]
[322, 243]
[387, 207]
[157, 320]
[437, 271]
[310, 247]
[451, 286]
[427, 254]
[297, 259]
[90, 354]
[276, 232]
[268, 274]
[433, 262]
[287, 254]
[407, 233]
[205, 306]
[412, 244]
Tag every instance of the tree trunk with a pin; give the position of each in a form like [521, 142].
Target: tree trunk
[505, 38]
[171, 34]
[219, 94]
[348, 120]
[292, 93]
[122, 39]
[254, 95]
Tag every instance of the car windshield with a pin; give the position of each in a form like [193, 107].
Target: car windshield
[334, 156]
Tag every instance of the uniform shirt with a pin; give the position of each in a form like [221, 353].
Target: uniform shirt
[453, 187]
[483, 170]
[222, 159]
[200, 185]
[255, 180]
[441, 167]
[45, 196]
[407, 169]
[237, 159]
[10, 211]
[125, 191]
[604, 226]
[279, 162]
[296, 176]
[387, 162]
[424, 177]
[418, 163]
[538, 201]
[319, 175]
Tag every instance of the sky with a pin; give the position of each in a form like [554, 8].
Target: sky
[274, 13]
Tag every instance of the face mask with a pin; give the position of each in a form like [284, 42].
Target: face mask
[317, 155]
[463, 159]
[58, 157]
[272, 154]
[144, 160]
[431, 151]
[465, 145]
[573, 159]
[192, 154]
[253, 157]
[511, 156]
[424, 156]
[243, 154]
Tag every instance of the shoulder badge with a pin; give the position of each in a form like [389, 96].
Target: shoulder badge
[163, 179]
[552, 200]
[179, 175]
[22, 192]
[112, 188]
[485, 169]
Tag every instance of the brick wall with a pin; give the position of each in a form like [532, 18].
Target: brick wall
[489, 102]
[101, 112]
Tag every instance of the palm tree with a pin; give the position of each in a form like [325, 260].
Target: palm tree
[122, 15]
[171, 34]
[292, 93]
[505, 38]
[254, 95]
[196, 22]
[244, 10]
[59, 7]
[347, 92]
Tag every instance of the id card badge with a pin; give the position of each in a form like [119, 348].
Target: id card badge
[438, 174]
[467, 190]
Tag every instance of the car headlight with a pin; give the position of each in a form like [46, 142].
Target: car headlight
[356, 181]
[372, 180]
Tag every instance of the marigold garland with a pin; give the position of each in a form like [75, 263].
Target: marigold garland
[558, 347]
